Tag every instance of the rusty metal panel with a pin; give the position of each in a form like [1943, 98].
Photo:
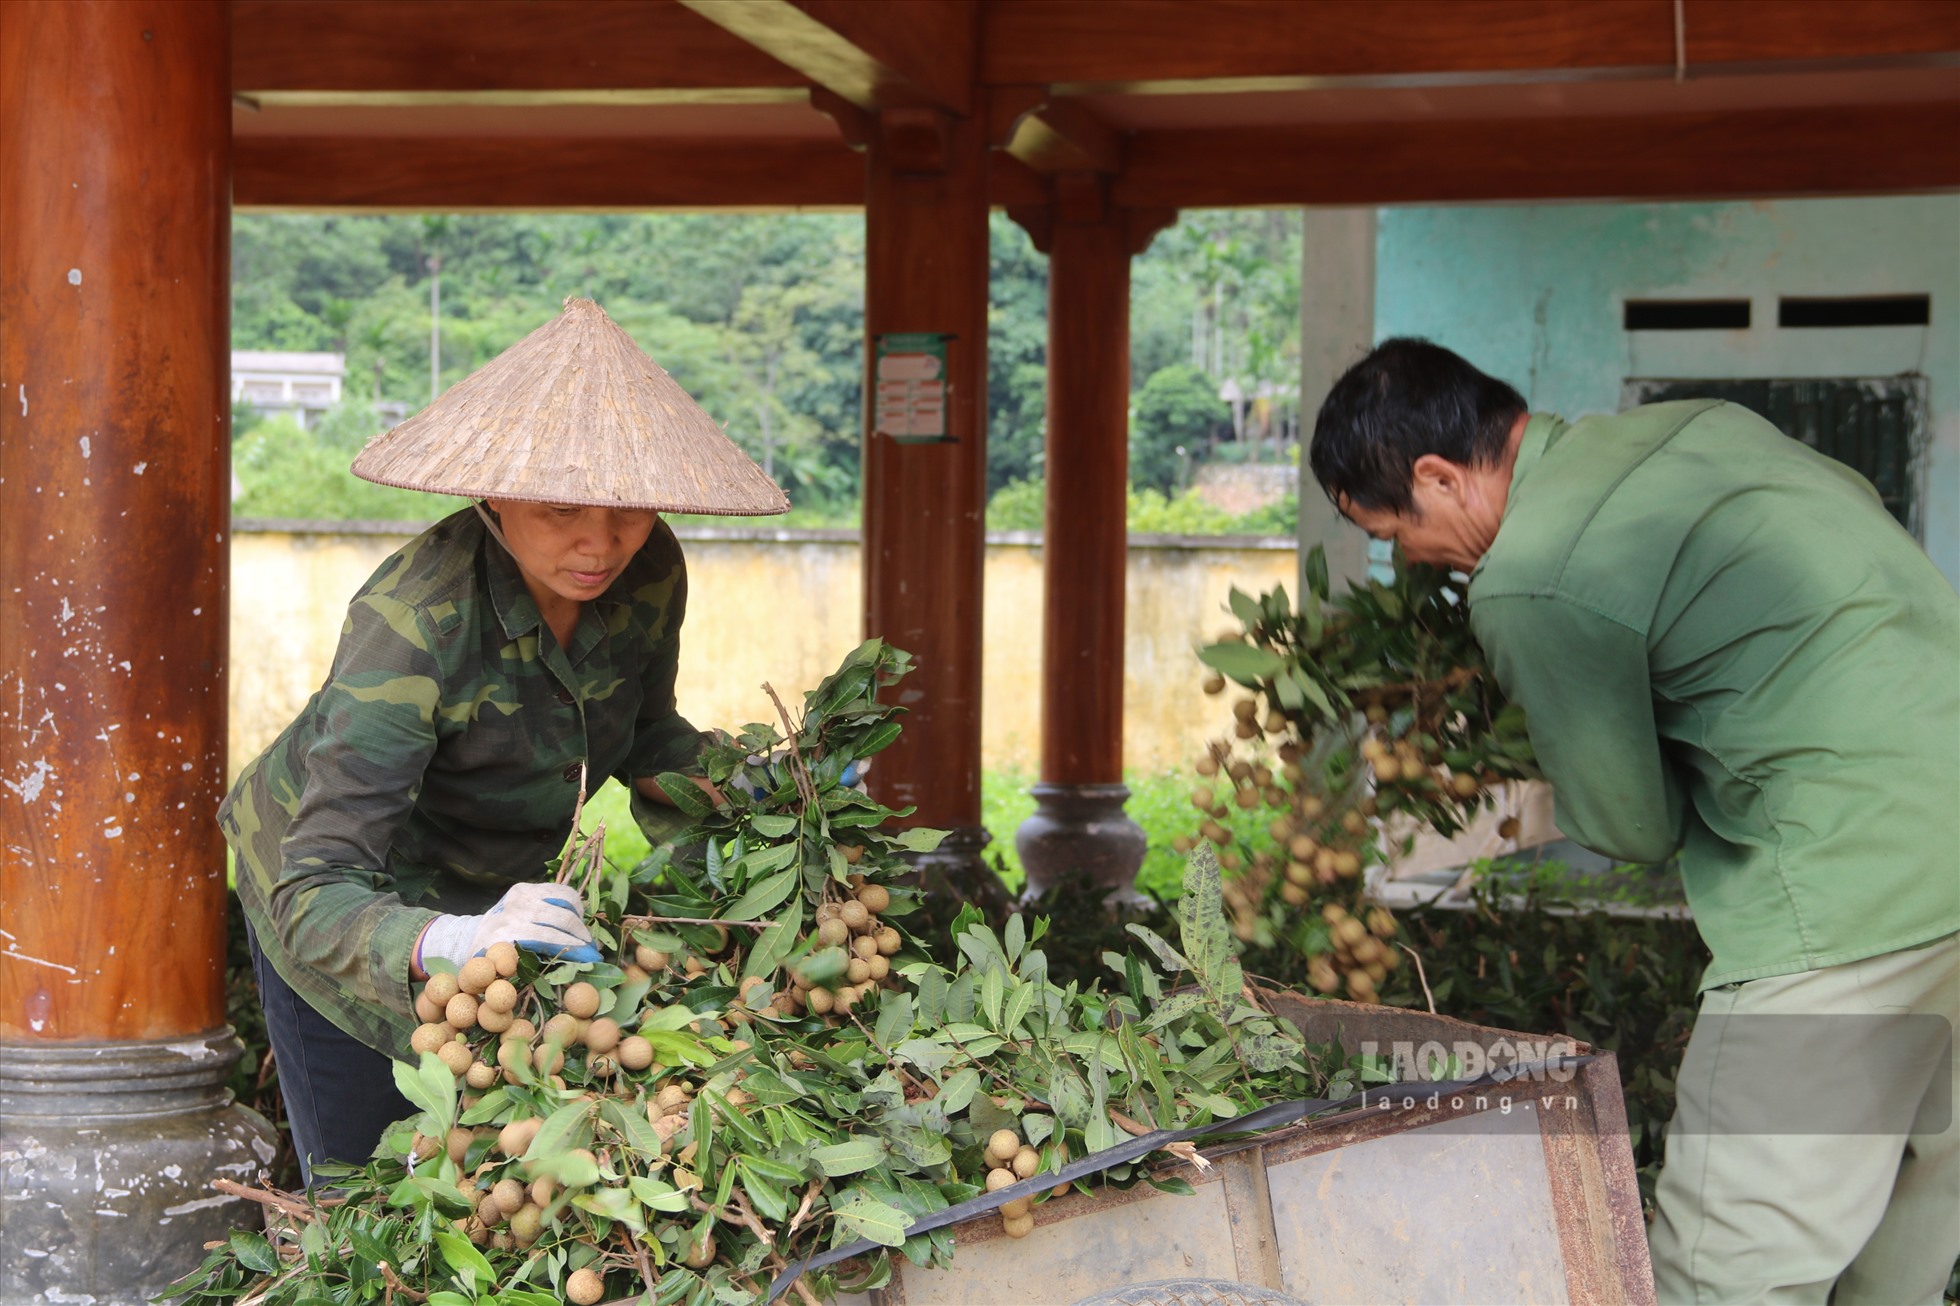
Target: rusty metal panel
[1080, 1246]
[1453, 1212]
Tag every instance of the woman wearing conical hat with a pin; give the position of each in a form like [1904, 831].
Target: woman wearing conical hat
[511, 653]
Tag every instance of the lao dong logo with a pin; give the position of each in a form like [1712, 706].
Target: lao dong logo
[1468, 1075]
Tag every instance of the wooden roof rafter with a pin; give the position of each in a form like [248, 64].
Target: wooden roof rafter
[457, 104]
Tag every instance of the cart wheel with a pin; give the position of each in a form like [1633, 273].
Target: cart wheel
[1191, 1292]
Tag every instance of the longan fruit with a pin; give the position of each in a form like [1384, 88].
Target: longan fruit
[441, 988]
[854, 914]
[494, 1022]
[673, 1098]
[457, 1057]
[1464, 785]
[865, 946]
[509, 1194]
[1018, 1226]
[879, 966]
[858, 971]
[602, 1035]
[584, 1287]
[999, 1178]
[844, 999]
[832, 933]
[852, 853]
[549, 1059]
[1204, 799]
[457, 1143]
[499, 995]
[1182, 843]
[526, 1225]
[424, 1148]
[503, 958]
[461, 1011]
[1246, 709]
[1026, 1162]
[427, 1038]
[650, 959]
[561, 1029]
[488, 1212]
[693, 967]
[514, 1137]
[476, 974]
[426, 1010]
[875, 897]
[1347, 865]
[822, 1001]
[1246, 798]
[667, 1126]
[479, 1075]
[1020, 1206]
[542, 1190]
[889, 941]
[700, 1252]
[581, 1000]
[1508, 828]
[1292, 894]
[1214, 683]
[522, 1028]
[1003, 1145]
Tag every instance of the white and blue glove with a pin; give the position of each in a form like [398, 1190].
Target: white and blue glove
[853, 772]
[548, 919]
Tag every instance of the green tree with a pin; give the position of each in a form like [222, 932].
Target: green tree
[1178, 415]
[1017, 356]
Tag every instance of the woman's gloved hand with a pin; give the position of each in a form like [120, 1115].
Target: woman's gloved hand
[544, 918]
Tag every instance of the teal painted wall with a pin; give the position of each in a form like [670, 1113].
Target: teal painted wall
[1533, 294]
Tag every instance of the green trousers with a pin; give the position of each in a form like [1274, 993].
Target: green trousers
[1814, 1155]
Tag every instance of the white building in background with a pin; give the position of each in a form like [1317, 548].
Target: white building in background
[304, 385]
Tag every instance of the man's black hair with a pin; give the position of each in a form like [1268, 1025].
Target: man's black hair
[1408, 397]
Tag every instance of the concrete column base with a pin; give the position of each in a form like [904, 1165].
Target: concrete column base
[1081, 830]
[107, 1153]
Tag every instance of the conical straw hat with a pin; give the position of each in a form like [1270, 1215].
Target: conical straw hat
[573, 413]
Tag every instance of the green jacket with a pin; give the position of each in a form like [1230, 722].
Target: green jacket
[439, 764]
[1725, 645]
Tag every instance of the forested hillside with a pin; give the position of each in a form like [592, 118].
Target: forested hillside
[761, 318]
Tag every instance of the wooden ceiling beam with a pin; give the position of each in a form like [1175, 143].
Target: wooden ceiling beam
[378, 48]
[875, 54]
[1841, 150]
[530, 174]
[1171, 46]
[1052, 134]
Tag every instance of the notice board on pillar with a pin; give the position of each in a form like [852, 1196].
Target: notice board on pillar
[910, 388]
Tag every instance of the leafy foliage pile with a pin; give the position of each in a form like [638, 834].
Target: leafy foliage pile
[1372, 704]
[741, 1083]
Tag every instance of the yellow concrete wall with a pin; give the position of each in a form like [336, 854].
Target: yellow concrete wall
[783, 607]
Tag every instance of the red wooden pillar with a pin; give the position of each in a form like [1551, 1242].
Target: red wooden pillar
[1079, 824]
[115, 150]
[924, 501]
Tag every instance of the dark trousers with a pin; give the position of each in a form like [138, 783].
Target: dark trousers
[339, 1093]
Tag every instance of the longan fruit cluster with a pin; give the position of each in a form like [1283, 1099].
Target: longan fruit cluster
[1414, 764]
[1010, 1161]
[854, 924]
[1362, 956]
[451, 1007]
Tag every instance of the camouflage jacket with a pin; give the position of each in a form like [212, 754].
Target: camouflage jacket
[439, 764]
